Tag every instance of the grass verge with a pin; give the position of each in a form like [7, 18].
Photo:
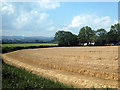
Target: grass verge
[13, 77]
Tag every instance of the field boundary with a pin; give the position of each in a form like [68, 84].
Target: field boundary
[10, 49]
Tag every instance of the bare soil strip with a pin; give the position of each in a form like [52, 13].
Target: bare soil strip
[80, 66]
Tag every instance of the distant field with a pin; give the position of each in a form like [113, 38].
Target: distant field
[13, 47]
[29, 44]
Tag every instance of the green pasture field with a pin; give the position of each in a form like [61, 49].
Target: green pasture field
[29, 44]
[13, 47]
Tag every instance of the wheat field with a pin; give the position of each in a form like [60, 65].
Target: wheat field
[83, 67]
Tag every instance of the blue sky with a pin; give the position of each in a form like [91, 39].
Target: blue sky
[45, 18]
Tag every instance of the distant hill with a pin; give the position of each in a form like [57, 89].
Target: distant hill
[32, 38]
[23, 39]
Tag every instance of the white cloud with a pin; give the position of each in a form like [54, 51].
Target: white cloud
[34, 12]
[91, 20]
[42, 17]
[7, 8]
[27, 18]
[116, 21]
[52, 28]
[81, 20]
[33, 18]
[102, 21]
[48, 4]
[21, 20]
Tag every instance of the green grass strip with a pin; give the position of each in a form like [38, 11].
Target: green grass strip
[13, 77]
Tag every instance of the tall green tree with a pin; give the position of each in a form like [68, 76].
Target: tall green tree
[101, 37]
[82, 35]
[74, 40]
[118, 31]
[65, 38]
[113, 34]
[86, 35]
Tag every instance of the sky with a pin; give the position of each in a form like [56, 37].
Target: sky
[46, 18]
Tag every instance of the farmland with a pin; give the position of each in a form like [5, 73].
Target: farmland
[28, 45]
[13, 77]
[13, 47]
[83, 67]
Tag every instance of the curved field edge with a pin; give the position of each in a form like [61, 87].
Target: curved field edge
[54, 87]
[13, 77]
[63, 77]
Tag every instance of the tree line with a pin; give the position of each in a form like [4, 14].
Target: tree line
[88, 36]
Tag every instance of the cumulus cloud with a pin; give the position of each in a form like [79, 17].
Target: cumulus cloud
[102, 21]
[7, 8]
[116, 21]
[52, 28]
[42, 17]
[47, 4]
[91, 20]
[21, 20]
[32, 20]
[27, 17]
[81, 20]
